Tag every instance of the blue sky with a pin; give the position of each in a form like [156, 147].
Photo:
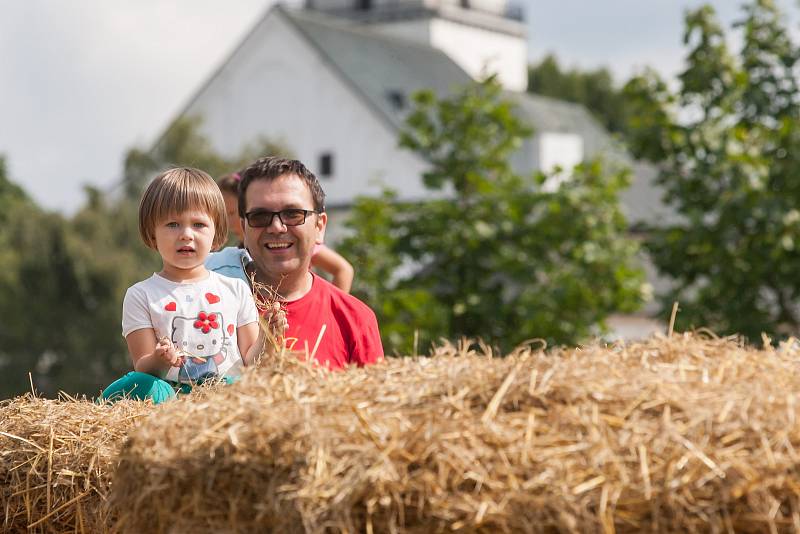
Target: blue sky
[82, 81]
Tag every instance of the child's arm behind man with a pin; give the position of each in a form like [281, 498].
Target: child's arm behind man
[332, 262]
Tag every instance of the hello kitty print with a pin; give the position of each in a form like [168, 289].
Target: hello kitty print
[202, 344]
[200, 318]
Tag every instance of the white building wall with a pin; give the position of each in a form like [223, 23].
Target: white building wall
[558, 151]
[480, 52]
[277, 85]
[562, 150]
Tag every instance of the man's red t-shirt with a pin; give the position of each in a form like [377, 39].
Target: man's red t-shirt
[351, 330]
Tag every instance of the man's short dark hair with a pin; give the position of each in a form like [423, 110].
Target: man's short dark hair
[273, 167]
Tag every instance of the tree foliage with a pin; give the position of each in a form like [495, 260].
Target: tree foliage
[61, 287]
[594, 89]
[184, 144]
[62, 279]
[727, 142]
[492, 254]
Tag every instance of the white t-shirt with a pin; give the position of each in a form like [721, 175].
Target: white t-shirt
[200, 318]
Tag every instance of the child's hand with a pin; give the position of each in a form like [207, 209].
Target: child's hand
[276, 319]
[166, 351]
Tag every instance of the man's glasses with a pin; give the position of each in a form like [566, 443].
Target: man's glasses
[289, 217]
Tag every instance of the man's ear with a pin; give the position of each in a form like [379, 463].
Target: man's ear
[321, 224]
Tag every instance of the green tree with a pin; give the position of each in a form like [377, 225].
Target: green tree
[62, 279]
[727, 142]
[594, 89]
[13, 205]
[60, 296]
[494, 255]
[183, 144]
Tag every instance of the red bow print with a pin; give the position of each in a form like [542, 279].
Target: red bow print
[206, 321]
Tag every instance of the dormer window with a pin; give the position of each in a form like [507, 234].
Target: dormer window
[396, 98]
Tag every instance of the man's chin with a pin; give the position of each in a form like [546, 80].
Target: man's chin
[280, 268]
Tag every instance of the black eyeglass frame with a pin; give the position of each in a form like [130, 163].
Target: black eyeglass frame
[281, 214]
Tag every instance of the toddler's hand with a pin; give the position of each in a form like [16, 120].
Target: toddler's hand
[166, 351]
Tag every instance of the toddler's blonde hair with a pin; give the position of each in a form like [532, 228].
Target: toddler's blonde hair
[176, 191]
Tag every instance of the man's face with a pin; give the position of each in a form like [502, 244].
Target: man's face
[279, 249]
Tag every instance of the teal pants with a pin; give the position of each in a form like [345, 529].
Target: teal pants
[142, 386]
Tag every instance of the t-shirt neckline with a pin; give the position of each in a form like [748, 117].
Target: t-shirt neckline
[167, 280]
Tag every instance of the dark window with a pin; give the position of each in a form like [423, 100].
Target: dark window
[363, 5]
[465, 4]
[396, 98]
[326, 165]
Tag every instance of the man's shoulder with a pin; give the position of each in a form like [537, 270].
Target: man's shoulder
[358, 324]
[342, 300]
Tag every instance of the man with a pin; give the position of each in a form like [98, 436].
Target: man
[282, 207]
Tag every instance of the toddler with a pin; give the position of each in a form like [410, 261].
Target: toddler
[184, 324]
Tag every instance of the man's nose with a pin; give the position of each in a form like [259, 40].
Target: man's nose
[276, 225]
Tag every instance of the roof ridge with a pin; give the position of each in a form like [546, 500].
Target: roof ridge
[340, 23]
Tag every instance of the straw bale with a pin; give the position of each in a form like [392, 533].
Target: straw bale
[686, 434]
[56, 457]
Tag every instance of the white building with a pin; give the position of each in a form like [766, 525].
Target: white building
[333, 82]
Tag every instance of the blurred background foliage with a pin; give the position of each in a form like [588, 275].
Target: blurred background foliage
[726, 139]
[502, 257]
[62, 279]
[499, 257]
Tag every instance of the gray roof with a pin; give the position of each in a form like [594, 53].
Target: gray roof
[377, 65]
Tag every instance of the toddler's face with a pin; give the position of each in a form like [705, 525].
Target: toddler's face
[184, 240]
[232, 210]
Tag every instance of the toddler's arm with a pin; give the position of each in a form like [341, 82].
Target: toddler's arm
[150, 355]
[332, 262]
[248, 340]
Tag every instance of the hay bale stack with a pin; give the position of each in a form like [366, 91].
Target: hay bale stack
[670, 435]
[56, 458]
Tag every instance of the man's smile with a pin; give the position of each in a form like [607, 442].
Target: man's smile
[278, 245]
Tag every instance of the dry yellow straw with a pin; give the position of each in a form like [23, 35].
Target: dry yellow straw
[319, 338]
[687, 433]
